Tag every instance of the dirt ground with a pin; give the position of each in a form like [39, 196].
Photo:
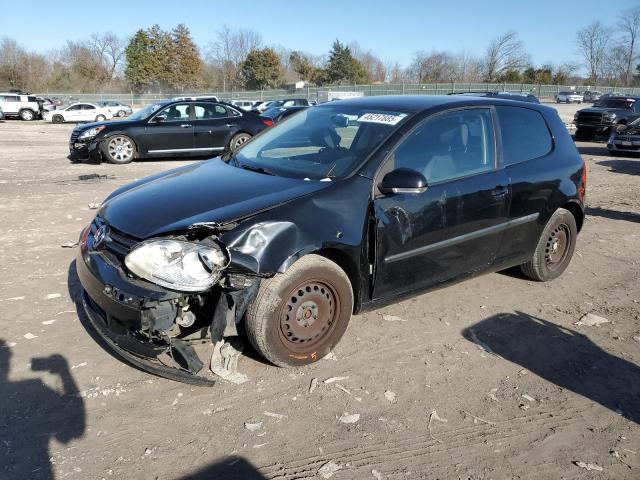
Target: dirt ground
[490, 378]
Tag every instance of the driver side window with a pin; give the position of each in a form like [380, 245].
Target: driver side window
[176, 113]
[449, 145]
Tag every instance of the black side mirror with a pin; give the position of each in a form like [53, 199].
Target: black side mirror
[340, 121]
[403, 180]
[159, 118]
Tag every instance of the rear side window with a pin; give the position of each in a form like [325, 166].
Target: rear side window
[32, 99]
[525, 134]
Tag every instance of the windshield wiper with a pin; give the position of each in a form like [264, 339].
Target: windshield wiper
[256, 169]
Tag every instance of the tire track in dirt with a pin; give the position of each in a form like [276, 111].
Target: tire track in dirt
[412, 451]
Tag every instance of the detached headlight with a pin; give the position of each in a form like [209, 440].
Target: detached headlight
[178, 265]
[92, 132]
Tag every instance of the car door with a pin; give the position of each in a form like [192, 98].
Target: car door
[73, 113]
[213, 127]
[11, 104]
[170, 131]
[88, 113]
[455, 227]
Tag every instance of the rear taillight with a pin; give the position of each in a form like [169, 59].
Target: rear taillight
[582, 189]
[268, 122]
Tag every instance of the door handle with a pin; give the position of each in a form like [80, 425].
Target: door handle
[499, 192]
[185, 125]
[231, 124]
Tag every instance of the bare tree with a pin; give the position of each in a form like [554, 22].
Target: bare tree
[504, 53]
[230, 49]
[592, 42]
[109, 49]
[629, 26]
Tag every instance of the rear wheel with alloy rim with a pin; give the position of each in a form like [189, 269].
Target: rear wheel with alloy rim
[298, 316]
[57, 119]
[100, 118]
[238, 140]
[119, 149]
[554, 249]
[121, 113]
[27, 115]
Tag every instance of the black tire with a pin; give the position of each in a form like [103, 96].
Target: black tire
[27, 115]
[121, 113]
[100, 118]
[238, 140]
[555, 248]
[57, 119]
[126, 154]
[293, 337]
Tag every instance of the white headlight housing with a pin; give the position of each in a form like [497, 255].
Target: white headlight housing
[92, 132]
[178, 265]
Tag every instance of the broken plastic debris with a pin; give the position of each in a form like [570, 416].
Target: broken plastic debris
[589, 466]
[529, 398]
[29, 336]
[335, 379]
[253, 426]
[376, 474]
[390, 396]
[591, 320]
[277, 416]
[313, 385]
[69, 244]
[330, 356]
[94, 206]
[51, 296]
[328, 469]
[224, 362]
[393, 318]
[48, 322]
[349, 417]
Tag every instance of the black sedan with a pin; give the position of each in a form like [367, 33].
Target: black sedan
[278, 114]
[342, 208]
[625, 138]
[167, 129]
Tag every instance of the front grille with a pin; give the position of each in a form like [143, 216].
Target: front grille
[116, 242]
[74, 136]
[589, 117]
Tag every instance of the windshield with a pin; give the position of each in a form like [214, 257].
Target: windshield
[146, 112]
[635, 123]
[320, 142]
[621, 103]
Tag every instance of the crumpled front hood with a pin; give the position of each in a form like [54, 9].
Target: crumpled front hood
[211, 191]
[604, 110]
[107, 123]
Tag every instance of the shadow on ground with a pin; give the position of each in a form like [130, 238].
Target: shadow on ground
[32, 413]
[564, 357]
[233, 468]
[630, 167]
[613, 214]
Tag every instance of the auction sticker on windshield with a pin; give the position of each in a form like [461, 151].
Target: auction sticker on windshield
[384, 118]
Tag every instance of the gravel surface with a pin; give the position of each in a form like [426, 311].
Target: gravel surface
[490, 378]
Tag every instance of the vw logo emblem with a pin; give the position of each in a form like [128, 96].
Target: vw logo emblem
[100, 236]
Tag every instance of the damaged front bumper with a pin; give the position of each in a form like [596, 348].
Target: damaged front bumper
[140, 321]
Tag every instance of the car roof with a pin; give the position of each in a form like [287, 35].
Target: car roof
[419, 103]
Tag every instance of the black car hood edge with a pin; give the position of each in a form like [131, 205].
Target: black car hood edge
[210, 191]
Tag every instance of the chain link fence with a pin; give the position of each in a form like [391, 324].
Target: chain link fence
[312, 93]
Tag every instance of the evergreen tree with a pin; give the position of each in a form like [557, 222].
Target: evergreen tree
[185, 68]
[261, 69]
[343, 66]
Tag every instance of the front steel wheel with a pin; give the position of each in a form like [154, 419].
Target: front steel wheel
[554, 249]
[298, 316]
[119, 149]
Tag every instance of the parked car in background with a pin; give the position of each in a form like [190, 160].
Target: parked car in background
[1, 114]
[519, 96]
[625, 138]
[79, 112]
[46, 103]
[213, 98]
[277, 114]
[19, 105]
[591, 96]
[605, 114]
[246, 105]
[261, 106]
[569, 97]
[117, 109]
[289, 102]
[170, 128]
[342, 208]
[604, 96]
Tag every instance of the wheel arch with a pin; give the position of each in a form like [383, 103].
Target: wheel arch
[347, 264]
[577, 211]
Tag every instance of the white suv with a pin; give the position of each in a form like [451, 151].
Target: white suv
[569, 97]
[18, 105]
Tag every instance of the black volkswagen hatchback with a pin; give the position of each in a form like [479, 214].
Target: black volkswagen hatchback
[344, 207]
[185, 128]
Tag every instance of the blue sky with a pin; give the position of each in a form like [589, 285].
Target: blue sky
[393, 30]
